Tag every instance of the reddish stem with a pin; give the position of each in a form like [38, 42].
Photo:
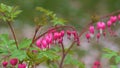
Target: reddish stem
[13, 33]
[64, 55]
[113, 13]
[57, 27]
[36, 31]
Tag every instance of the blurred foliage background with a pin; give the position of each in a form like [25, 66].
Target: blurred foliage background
[75, 11]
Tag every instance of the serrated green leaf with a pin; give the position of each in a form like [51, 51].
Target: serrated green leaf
[48, 54]
[21, 55]
[53, 18]
[16, 13]
[8, 13]
[25, 43]
[109, 56]
[109, 53]
[70, 60]
[59, 21]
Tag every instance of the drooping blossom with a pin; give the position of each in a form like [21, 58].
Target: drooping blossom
[113, 19]
[88, 36]
[4, 64]
[22, 65]
[13, 61]
[91, 29]
[101, 26]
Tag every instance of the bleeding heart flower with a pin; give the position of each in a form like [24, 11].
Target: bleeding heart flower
[4, 63]
[56, 35]
[109, 23]
[91, 29]
[62, 33]
[101, 26]
[88, 36]
[113, 19]
[44, 44]
[98, 35]
[13, 61]
[21, 65]
[38, 42]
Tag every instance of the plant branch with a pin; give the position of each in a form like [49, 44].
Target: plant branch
[57, 27]
[113, 13]
[83, 31]
[13, 33]
[63, 55]
[36, 31]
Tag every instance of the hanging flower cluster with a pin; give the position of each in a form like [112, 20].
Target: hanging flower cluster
[56, 37]
[101, 28]
[13, 62]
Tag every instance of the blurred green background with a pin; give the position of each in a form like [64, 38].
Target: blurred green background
[75, 11]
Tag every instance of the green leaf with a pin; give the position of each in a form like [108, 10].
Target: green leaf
[113, 66]
[14, 14]
[109, 56]
[8, 13]
[70, 60]
[4, 38]
[59, 21]
[107, 50]
[17, 12]
[3, 6]
[6, 45]
[50, 15]
[109, 53]
[117, 59]
[48, 54]
[25, 43]
[21, 55]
